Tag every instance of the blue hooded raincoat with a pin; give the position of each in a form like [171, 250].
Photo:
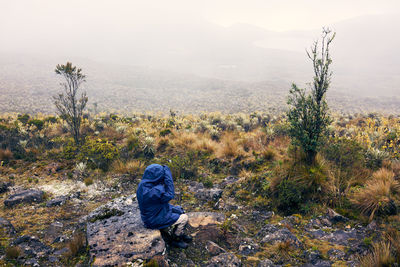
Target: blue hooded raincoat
[153, 194]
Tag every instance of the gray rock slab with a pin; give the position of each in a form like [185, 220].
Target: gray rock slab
[25, 196]
[116, 234]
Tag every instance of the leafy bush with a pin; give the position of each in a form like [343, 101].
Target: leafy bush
[281, 129]
[182, 167]
[133, 146]
[98, 153]
[24, 118]
[375, 157]
[308, 113]
[215, 135]
[139, 145]
[38, 123]
[88, 181]
[69, 150]
[165, 132]
[343, 152]
[289, 196]
[148, 147]
[51, 119]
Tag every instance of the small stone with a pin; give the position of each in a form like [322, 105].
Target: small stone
[372, 226]
[248, 247]
[273, 235]
[58, 201]
[224, 259]
[213, 248]
[205, 194]
[335, 217]
[336, 254]
[228, 181]
[266, 263]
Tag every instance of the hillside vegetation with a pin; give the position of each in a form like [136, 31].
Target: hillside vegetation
[356, 173]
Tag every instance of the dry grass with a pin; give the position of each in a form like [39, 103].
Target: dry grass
[396, 169]
[229, 147]
[162, 144]
[130, 167]
[380, 256]
[204, 145]
[111, 134]
[77, 245]
[185, 140]
[378, 193]
[5, 155]
[253, 141]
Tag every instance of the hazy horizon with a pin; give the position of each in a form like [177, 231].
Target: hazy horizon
[229, 42]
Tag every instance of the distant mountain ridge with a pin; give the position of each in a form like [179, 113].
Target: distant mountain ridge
[201, 66]
[27, 84]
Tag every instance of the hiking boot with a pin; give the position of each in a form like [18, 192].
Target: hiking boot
[179, 244]
[186, 238]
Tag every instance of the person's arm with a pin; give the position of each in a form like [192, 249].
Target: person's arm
[177, 209]
[168, 185]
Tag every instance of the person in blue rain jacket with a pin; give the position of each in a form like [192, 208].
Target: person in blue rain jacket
[154, 192]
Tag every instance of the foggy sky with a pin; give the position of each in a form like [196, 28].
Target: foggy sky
[251, 40]
[275, 15]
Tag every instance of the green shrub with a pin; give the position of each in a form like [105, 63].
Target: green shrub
[289, 196]
[133, 146]
[24, 118]
[281, 129]
[207, 182]
[88, 181]
[148, 147]
[165, 132]
[343, 152]
[51, 119]
[182, 167]
[215, 135]
[69, 150]
[139, 145]
[374, 158]
[38, 123]
[98, 153]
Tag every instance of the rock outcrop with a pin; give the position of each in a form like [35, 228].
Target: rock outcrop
[32, 250]
[197, 219]
[58, 201]
[272, 234]
[117, 236]
[205, 194]
[25, 196]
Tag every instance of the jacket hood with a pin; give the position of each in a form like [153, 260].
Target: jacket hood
[154, 173]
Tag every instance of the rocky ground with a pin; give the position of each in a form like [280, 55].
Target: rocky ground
[62, 222]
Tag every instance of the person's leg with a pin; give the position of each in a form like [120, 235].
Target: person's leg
[180, 224]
